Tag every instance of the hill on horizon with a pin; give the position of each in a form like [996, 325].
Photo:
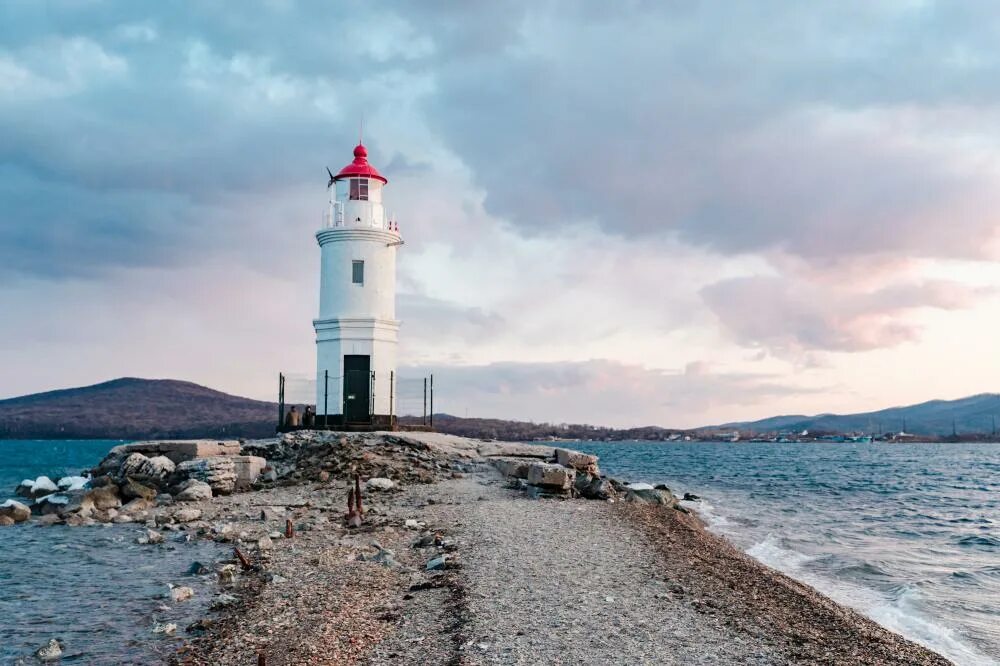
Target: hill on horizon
[134, 408]
[973, 415]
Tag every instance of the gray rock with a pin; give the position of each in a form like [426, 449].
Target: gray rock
[550, 475]
[132, 489]
[150, 537]
[218, 472]
[153, 471]
[594, 487]
[223, 601]
[138, 505]
[181, 593]
[187, 515]
[582, 462]
[436, 563]
[40, 487]
[15, 511]
[197, 569]
[165, 628]
[194, 490]
[50, 651]
[102, 498]
[643, 492]
[379, 483]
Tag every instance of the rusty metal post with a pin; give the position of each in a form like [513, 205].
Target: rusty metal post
[289, 528]
[431, 415]
[424, 420]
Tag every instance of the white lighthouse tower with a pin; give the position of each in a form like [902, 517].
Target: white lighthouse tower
[356, 331]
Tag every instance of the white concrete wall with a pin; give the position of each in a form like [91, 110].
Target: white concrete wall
[338, 337]
[338, 295]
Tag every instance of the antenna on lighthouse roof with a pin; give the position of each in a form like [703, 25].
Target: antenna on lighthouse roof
[361, 130]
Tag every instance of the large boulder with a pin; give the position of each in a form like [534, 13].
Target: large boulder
[594, 487]
[39, 487]
[73, 482]
[132, 489]
[221, 473]
[102, 498]
[15, 511]
[151, 471]
[644, 492]
[581, 462]
[551, 476]
[193, 490]
[60, 504]
[513, 468]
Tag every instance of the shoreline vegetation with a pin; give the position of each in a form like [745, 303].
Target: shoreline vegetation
[134, 409]
[435, 549]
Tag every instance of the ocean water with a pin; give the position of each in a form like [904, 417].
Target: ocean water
[93, 588]
[907, 534]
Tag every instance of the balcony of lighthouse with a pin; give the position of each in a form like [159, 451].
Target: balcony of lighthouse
[335, 217]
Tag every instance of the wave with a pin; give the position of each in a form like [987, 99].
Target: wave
[979, 540]
[901, 612]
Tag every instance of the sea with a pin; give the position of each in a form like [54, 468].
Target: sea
[92, 588]
[906, 534]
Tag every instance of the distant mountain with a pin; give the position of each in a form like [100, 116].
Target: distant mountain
[971, 416]
[131, 408]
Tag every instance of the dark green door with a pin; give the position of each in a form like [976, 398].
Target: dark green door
[357, 388]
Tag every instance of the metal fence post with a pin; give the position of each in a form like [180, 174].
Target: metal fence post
[371, 405]
[392, 394]
[424, 419]
[432, 400]
[326, 395]
[281, 399]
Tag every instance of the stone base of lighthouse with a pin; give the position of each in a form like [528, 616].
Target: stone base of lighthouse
[355, 382]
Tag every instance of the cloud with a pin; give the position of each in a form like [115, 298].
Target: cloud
[571, 181]
[824, 143]
[788, 317]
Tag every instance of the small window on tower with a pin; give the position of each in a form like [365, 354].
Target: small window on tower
[358, 272]
[359, 189]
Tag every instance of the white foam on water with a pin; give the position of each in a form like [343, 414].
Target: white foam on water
[707, 512]
[901, 614]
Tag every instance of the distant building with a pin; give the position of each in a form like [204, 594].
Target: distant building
[357, 330]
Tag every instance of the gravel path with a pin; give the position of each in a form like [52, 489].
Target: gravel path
[561, 582]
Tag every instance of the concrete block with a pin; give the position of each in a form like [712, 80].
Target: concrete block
[553, 476]
[583, 462]
[512, 467]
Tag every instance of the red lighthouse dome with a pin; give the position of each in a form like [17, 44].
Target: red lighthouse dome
[360, 168]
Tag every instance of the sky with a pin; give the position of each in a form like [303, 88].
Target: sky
[674, 212]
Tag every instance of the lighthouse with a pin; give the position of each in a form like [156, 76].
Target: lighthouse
[357, 330]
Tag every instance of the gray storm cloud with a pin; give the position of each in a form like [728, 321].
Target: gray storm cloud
[585, 166]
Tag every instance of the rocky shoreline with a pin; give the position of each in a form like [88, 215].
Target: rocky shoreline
[426, 548]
